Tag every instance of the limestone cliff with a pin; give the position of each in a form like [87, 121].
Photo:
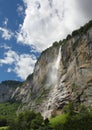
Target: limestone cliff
[63, 73]
[7, 89]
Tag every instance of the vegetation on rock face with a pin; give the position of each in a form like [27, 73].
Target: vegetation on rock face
[42, 95]
[55, 44]
[74, 87]
[83, 29]
[30, 77]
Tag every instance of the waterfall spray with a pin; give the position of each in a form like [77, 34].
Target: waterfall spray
[58, 59]
[53, 75]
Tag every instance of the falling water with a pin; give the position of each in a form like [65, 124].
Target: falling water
[53, 81]
[53, 75]
[58, 59]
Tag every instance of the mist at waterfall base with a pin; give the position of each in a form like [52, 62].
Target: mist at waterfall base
[53, 74]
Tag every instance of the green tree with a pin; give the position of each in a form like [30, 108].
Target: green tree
[29, 121]
[69, 109]
[3, 121]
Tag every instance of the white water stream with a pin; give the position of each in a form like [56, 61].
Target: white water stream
[53, 77]
[53, 74]
[57, 63]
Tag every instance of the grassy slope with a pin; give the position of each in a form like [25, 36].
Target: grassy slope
[61, 119]
[3, 128]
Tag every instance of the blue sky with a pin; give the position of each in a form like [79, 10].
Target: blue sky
[27, 27]
[11, 16]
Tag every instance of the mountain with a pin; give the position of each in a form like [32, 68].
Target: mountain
[7, 88]
[62, 74]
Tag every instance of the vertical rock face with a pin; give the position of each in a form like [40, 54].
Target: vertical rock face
[63, 73]
[5, 93]
[7, 89]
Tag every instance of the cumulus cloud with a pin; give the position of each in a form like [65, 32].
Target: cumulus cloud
[9, 58]
[22, 64]
[5, 33]
[47, 21]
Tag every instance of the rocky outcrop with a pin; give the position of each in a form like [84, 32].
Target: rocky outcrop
[63, 73]
[7, 89]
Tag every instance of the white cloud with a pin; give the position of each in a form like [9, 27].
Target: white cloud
[9, 57]
[49, 20]
[5, 22]
[9, 70]
[22, 64]
[20, 10]
[5, 33]
[4, 46]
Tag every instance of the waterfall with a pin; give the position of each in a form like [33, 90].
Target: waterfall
[53, 74]
[53, 81]
[58, 59]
